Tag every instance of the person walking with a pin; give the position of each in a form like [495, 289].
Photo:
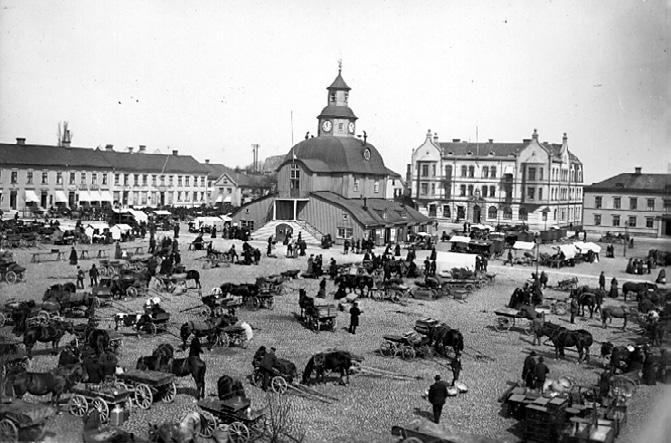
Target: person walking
[268, 364]
[175, 230]
[544, 280]
[510, 257]
[575, 309]
[152, 243]
[73, 256]
[93, 275]
[529, 370]
[455, 365]
[437, 396]
[540, 373]
[613, 289]
[354, 313]
[80, 278]
[602, 281]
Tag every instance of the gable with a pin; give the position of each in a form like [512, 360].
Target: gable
[533, 153]
[426, 152]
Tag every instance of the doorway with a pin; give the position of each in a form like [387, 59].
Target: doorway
[282, 231]
[476, 214]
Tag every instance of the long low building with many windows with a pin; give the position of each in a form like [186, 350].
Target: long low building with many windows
[637, 203]
[51, 176]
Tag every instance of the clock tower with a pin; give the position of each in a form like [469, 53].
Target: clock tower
[337, 118]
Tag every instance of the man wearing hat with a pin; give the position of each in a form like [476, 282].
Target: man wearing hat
[528, 370]
[354, 313]
[268, 364]
[437, 396]
[541, 371]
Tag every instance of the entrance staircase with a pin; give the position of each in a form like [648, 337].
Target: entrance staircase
[308, 232]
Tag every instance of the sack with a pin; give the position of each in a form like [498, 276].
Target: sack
[461, 387]
[452, 391]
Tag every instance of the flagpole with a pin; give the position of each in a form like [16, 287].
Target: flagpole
[292, 127]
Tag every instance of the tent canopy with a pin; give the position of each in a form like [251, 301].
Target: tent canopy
[524, 245]
[105, 196]
[84, 196]
[445, 261]
[568, 250]
[31, 196]
[60, 197]
[161, 212]
[587, 246]
[460, 239]
[225, 218]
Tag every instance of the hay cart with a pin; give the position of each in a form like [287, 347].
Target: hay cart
[103, 397]
[148, 386]
[235, 416]
[22, 421]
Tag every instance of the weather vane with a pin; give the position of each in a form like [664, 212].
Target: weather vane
[339, 65]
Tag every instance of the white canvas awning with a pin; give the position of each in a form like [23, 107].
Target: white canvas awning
[138, 215]
[31, 197]
[225, 218]
[524, 245]
[482, 227]
[220, 198]
[460, 239]
[95, 196]
[162, 213]
[227, 199]
[105, 196]
[84, 196]
[568, 250]
[60, 197]
[588, 246]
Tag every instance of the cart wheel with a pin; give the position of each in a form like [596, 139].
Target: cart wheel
[205, 312]
[78, 405]
[407, 353]
[502, 324]
[143, 396]
[131, 292]
[387, 348]
[151, 328]
[99, 404]
[11, 277]
[238, 432]
[103, 271]
[170, 393]
[208, 424]
[8, 431]
[411, 440]
[2, 319]
[278, 384]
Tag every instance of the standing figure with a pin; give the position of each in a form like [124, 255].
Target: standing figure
[575, 308]
[354, 313]
[437, 396]
[613, 289]
[541, 371]
[268, 364]
[73, 256]
[529, 370]
[93, 275]
[175, 230]
[455, 365]
[80, 278]
[602, 281]
[543, 280]
[510, 257]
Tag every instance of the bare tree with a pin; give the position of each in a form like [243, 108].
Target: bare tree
[282, 426]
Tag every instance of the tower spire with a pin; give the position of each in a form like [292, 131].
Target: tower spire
[339, 66]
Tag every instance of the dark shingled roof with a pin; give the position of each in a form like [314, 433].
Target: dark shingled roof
[330, 154]
[499, 149]
[338, 112]
[379, 212]
[56, 156]
[215, 170]
[632, 182]
[339, 83]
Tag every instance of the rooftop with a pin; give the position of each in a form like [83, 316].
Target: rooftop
[634, 181]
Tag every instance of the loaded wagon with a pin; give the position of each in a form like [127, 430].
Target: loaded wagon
[23, 421]
[103, 397]
[407, 346]
[234, 416]
[151, 323]
[148, 385]
[320, 317]
[506, 319]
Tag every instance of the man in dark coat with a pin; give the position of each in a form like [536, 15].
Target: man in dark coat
[73, 256]
[455, 365]
[602, 281]
[397, 250]
[268, 364]
[93, 275]
[354, 313]
[543, 280]
[510, 256]
[540, 373]
[433, 254]
[613, 288]
[528, 371]
[175, 230]
[333, 268]
[437, 396]
[575, 308]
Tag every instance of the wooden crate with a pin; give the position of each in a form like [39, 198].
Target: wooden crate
[545, 419]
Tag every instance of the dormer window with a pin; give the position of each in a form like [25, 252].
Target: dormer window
[332, 97]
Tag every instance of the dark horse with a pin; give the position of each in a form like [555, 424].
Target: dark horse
[565, 338]
[639, 288]
[354, 282]
[622, 358]
[442, 336]
[585, 299]
[158, 361]
[328, 361]
[56, 382]
[192, 365]
[50, 333]
[610, 312]
[228, 387]
[194, 275]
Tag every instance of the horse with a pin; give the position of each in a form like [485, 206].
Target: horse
[52, 332]
[158, 361]
[328, 361]
[228, 387]
[585, 299]
[100, 366]
[565, 338]
[610, 312]
[638, 287]
[58, 289]
[194, 366]
[518, 298]
[194, 275]
[98, 340]
[354, 282]
[623, 358]
[209, 328]
[442, 336]
[55, 382]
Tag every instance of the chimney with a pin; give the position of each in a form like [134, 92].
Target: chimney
[365, 136]
[109, 147]
[130, 149]
[435, 137]
[20, 141]
[141, 149]
[365, 204]
[491, 140]
[564, 138]
[207, 161]
[428, 134]
[456, 140]
[174, 152]
[637, 170]
[535, 135]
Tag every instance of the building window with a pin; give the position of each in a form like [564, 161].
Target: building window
[345, 233]
[633, 203]
[153, 179]
[651, 204]
[295, 176]
[116, 179]
[463, 171]
[598, 201]
[162, 180]
[171, 180]
[187, 180]
[492, 191]
[433, 170]
[446, 211]
[126, 178]
[531, 192]
[471, 171]
[104, 178]
[229, 190]
[45, 178]
[195, 196]
[540, 193]
[485, 171]
[540, 173]
[94, 178]
[179, 180]
[332, 96]
[59, 178]
[356, 185]
[597, 219]
[136, 179]
[425, 170]
[376, 186]
[508, 213]
[202, 181]
[491, 212]
[433, 189]
[144, 179]
[448, 171]
[649, 222]
[72, 178]
[179, 196]
[632, 221]
[617, 203]
[470, 190]
[484, 191]
[29, 178]
[424, 188]
[532, 174]
[462, 190]
[492, 172]
[616, 220]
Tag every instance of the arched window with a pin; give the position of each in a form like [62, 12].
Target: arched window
[491, 212]
[507, 213]
[523, 215]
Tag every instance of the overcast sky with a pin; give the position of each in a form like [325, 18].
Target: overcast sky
[210, 78]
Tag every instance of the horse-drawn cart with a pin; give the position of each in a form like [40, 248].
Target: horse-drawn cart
[11, 272]
[233, 335]
[506, 318]
[151, 323]
[234, 416]
[22, 421]
[407, 346]
[103, 397]
[148, 385]
[320, 317]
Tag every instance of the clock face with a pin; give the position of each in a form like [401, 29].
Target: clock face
[366, 154]
[327, 125]
[350, 127]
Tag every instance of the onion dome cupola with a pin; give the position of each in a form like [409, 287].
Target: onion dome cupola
[337, 118]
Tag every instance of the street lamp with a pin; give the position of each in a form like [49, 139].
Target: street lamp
[537, 240]
[626, 237]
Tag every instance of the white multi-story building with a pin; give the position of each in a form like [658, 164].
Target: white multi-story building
[48, 176]
[535, 183]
